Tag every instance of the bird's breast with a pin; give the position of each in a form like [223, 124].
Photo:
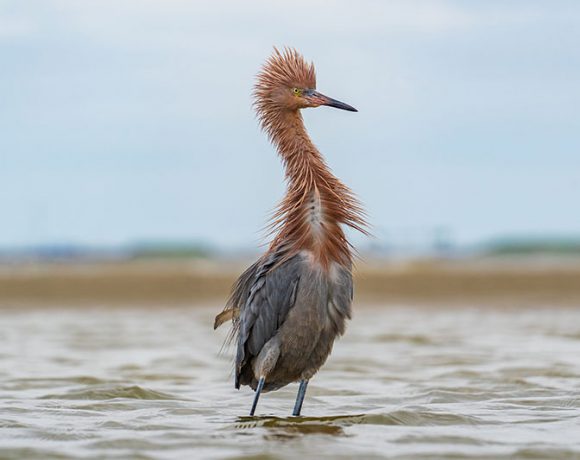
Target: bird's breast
[328, 290]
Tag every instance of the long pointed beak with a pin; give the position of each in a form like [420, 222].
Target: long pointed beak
[320, 99]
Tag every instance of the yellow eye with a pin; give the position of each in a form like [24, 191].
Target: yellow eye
[297, 91]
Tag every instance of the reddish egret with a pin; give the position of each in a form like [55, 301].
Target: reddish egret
[288, 307]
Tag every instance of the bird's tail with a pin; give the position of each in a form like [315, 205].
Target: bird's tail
[226, 315]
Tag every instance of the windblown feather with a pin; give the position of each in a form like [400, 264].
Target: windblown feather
[311, 184]
[316, 203]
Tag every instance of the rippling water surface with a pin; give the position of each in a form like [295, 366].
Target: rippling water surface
[403, 383]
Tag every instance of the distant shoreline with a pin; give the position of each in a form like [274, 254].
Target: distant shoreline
[201, 282]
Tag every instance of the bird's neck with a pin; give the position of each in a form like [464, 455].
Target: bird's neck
[316, 202]
[304, 165]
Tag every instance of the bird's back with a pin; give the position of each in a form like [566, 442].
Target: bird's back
[291, 311]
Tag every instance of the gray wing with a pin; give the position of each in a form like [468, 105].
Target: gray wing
[271, 294]
[237, 300]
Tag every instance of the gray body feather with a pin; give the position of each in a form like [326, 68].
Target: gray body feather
[290, 314]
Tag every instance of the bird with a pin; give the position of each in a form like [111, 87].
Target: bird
[288, 308]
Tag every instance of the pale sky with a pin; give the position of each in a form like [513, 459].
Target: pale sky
[131, 120]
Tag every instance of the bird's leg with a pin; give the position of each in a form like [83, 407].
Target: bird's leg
[300, 398]
[257, 395]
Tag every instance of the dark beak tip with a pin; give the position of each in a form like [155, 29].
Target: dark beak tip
[341, 106]
[348, 108]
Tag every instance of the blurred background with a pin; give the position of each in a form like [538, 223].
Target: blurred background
[135, 185]
[129, 150]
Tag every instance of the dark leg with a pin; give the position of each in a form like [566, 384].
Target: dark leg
[257, 396]
[300, 397]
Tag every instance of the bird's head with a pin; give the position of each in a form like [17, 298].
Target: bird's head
[288, 83]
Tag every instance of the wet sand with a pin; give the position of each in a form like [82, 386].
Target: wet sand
[166, 283]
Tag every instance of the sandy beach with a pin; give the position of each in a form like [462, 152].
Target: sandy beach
[192, 282]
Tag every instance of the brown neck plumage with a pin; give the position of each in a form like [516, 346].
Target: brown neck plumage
[316, 202]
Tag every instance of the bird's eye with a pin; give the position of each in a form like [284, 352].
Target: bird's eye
[297, 91]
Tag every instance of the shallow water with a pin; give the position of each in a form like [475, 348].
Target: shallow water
[403, 383]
